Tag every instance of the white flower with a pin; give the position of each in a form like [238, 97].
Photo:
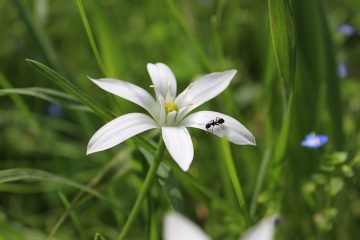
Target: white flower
[264, 230]
[177, 227]
[169, 112]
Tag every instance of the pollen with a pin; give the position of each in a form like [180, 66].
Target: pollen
[170, 107]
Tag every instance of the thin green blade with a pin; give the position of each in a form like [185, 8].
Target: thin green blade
[72, 89]
[283, 41]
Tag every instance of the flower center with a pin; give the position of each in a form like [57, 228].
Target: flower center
[170, 107]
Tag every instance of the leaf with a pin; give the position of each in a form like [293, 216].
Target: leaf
[347, 171]
[49, 95]
[283, 41]
[337, 158]
[335, 185]
[16, 174]
[72, 89]
[282, 140]
[98, 236]
[168, 183]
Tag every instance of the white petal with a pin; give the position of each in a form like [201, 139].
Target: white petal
[231, 129]
[163, 79]
[178, 142]
[263, 230]
[129, 92]
[162, 113]
[204, 89]
[177, 227]
[170, 118]
[119, 130]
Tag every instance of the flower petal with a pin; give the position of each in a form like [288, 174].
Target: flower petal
[313, 140]
[177, 227]
[163, 79]
[119, 130]
[232, 129]
[263, 230]
[178, 142]
[204, 89]
[129, 92]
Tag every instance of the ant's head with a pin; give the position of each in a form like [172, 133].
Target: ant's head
[208, 125]
[220, 120]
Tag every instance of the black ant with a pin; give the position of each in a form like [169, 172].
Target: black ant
[215, 122]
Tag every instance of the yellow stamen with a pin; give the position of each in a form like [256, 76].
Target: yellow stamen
[170, 107]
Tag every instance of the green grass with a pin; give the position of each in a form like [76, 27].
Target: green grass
[286, 53]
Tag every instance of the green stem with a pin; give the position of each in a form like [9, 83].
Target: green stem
[260, 180]
[90, 35]
[235, 180]
[144, 190]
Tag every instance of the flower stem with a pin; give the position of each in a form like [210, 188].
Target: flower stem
[260, 180]
[235, 180]
[144, 190]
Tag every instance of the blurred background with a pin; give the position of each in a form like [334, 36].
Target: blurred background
[44, 130]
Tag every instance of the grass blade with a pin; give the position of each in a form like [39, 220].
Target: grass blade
[90, 35]
[196, 44]
[20, 104]
[16, 174]
[37, 34]
[73, 214]
[283, 41]
[93, 182]
[235, 181]
[49, 95]
[72, 89]
[282, 140]
[333, 94]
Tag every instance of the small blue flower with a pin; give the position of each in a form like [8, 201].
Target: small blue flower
[54, 110]
[313, 140]
[346, 29]
[343, 70]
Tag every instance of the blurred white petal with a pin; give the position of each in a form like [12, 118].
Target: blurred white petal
[179, 144]
[163, 79]
[231, 129]
[177, 227]
[204, 89]
[129, 92]
[263, 230]
[119, 130]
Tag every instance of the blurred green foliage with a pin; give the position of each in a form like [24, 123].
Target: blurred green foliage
[316, 191]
